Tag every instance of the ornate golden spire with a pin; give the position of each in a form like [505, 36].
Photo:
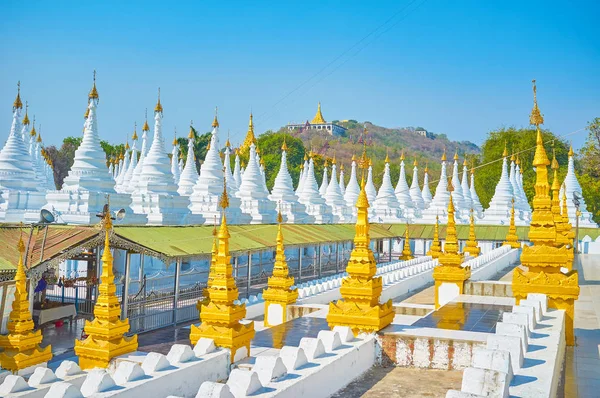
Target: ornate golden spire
[511, 238]
[227, 143]
[318, 119]
[402, 155]
[406, 251]
[94, 92]
[134, 136]
[39, 136]
[456, 155]
[127, 147]
[158, 107]
[18, 104]
[224, 201]
[26, 118]
[284, 146]
[444, 155]
[505, 153]
[33, 133]
[415, 163]
[250, 138]
[175, 137]
[426, 167]
[571, 153]
[145, 127]
[354, 157]
[342, 167]
[536, 117]
[215, 122]
[435, 249]
[191, 134]
[387, 155]
[512, 156]
[471, 246]
[465, 162]
[22, 344]
[518, 160]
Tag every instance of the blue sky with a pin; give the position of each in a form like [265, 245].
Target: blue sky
[457, 67]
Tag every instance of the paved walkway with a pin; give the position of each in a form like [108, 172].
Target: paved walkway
[582, 375]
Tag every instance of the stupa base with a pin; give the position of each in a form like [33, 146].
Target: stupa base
[15, 360]
[449, 282]
[360, 317]
[94, 353]
[236, 338]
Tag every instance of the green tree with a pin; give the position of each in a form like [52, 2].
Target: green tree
[523, 143]
[588, 169]
[270, 144]
[62, 159]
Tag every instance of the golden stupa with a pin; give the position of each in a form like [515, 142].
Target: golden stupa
[21, 346]
[220, 316]
[106, 333]
[471, 246]
[406, 252]
[511, 237]
[250, 137]
[544, 259]
[436, 248]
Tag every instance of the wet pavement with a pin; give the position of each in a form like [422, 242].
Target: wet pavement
[290, 333]
[472, 317]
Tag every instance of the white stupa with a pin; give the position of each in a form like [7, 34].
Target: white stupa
[352, 189]
[572, 187]
[334, 198]
[180, 165]
[137, 171]
[121, 179]
[43, 171]
[439, 203]
[520, 207]
[292, 211]
[303, 171]
[132, 162]
[255, 202]
[156, 193]
[342, 181]
[477, 207]
[498, 212]
[460, 205]
[426, 192]
[466, 190]
[403, 192]
[312, 199]
[415, 191]
[237, 173]
[20, 199]
[370, 189]
[232, 185]
[386, 208]
[189, 175]
[25, 125]
[206, 193]
[85, 189]
[325, 181]
[521, 191]
[174, 160]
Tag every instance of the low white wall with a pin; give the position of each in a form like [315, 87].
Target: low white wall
[490, 268]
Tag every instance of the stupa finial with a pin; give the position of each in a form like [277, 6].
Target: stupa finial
[18, 104]
[536, 117]
[93, 95]
[215, 122]
[158, 108]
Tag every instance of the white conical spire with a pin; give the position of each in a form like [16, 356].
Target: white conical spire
[189, 175]
[386, 207]
[342, 183]
[466, 191]
[352, 189]
[137, 171]
[500, 206]
[302, 178]
[415, 191]
[457, 194]
[426, 193]
[312, 199]
[325, 182]
[124, 168]
[370, 186]
[572, 187]
[237, 173]
[439, 203]
[474, 197]
[403, 192]
[232, 185]
[283, 194]
[25, 124]
[39, 166]
[334, 198]
[254, 195]
[175, 160]
[521, 191]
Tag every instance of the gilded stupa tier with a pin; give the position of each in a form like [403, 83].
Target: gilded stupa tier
[359, 307]
[221, 316]
[318, 119]
[21, 346]
[279, 290]
[250, 137]
[471, 246]
[436, 248]
[406, 251]
[106, 332]
[511, 238]
[548, 255]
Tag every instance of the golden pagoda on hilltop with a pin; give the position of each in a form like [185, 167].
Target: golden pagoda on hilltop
[22, 343]
[318, 119]
[106, 333]
[220, 316]
[319, 124]
[279, 294]
[544, 259]
[450, 276]
[359, 307]
[250, 137]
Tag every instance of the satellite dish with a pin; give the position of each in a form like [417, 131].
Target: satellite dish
[120, 214]
[46, 217]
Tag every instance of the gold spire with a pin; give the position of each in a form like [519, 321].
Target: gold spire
[465, 162]
[571, 153]
[145, 127]
[134, 136]
[26, 118]
[511, 238]
[284, 146]
[227, 143]
[456, 155]
[387, 155]
[18, 104]
[250, 138]
[518, 160]
[402, 155]
[333, 160]
[33, 133]
[224, 201]
[415, 163]
[127, 145]
[505, 153]
[354, 157]
[215, 122]
[471, 246]
[444, 155]
[512, 156]
[22, 343]
[106, 333]
[318, 119]
[406, 251]
[426, 167]
[191, 135]
[175, 139]
[435, 249]
[158, 107]
[342, 167]
[536, 117]
[305, 157]
[93, 92]
[39, 136]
